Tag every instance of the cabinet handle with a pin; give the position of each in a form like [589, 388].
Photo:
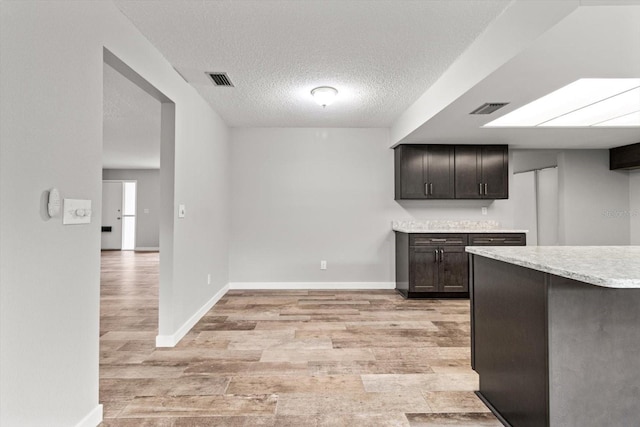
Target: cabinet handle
[436, 252]
[438, 240]
[486, 188]
[426, 188]
[431, 188]
[441, 254]
[480, 185]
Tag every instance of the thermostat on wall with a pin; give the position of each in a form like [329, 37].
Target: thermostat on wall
[76, 211]
[53, 204]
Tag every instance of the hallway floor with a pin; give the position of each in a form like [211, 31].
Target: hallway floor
[284, 358]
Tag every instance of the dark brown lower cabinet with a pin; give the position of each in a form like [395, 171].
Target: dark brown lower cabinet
[436, 265]
[432, 265]
[438, 269]
[424, 269]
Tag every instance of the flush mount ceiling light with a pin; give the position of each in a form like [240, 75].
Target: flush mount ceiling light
[583, 103]
[324, 95]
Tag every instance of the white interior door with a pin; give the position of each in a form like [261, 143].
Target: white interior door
[112, 215]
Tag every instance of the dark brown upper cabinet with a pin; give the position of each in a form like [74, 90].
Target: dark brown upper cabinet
[625, 157]
[424, 172]
[451, 172]
[482, 171]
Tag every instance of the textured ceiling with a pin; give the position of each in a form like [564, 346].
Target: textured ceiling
[131, 129]
[380, 55]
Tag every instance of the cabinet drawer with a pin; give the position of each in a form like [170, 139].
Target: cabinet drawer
[437, 239]
[497, 239]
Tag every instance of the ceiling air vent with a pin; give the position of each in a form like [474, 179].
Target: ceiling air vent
[489, 107]
[220, 79]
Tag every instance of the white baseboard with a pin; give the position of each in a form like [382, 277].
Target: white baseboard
[92, 419]
[146, 249]
[172, 340]
[345, 286]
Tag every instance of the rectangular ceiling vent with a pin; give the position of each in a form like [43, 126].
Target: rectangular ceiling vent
[489, 107]
[220, 79]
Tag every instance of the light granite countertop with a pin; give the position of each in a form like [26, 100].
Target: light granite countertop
[606, 266]
[451, 226]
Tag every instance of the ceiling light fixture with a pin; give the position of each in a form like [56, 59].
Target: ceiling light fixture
[324, 95]
[583, 103]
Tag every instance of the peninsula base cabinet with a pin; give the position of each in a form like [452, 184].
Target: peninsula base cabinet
[552, 351]
[436, 265]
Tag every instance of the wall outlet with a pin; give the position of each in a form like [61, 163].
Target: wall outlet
[209, 279]
[484, 211]
[323, 265]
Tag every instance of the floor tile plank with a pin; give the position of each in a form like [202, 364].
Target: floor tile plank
[284, 358]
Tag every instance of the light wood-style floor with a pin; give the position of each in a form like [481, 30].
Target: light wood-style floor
[284, 358]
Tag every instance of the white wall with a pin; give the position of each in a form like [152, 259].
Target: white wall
[594, 201]
[148, 198]
[524, 194]
[634, 206]
[527, 160]
[302, 195]
[51, 135]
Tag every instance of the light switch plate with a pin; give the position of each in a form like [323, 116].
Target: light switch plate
[76, 211]
[182, 211]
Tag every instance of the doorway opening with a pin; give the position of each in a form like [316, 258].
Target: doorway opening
[536, 201]
[136, 279]
[119, 208]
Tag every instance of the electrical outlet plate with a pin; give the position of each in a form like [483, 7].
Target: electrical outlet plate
[323, 265]
[484, 211]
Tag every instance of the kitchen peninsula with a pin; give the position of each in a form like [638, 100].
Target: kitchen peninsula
[556, 334]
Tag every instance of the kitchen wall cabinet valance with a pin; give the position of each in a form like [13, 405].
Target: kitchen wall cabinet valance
[451, 172]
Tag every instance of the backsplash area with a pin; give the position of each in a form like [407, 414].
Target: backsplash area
[433, 225]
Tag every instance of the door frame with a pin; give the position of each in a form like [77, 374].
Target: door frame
[167, 191]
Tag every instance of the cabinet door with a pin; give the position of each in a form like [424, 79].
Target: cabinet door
[412, 179]
[454, 270]
[439, 167]
[467, 172]
[423, 265]
[495, 174]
